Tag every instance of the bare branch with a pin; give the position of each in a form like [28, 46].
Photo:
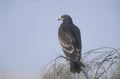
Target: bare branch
[98, 62]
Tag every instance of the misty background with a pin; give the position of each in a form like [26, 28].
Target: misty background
[29, 31]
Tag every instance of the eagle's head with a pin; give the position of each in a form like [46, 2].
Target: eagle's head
[65, 18]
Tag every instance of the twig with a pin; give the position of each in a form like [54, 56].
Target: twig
[95, 68]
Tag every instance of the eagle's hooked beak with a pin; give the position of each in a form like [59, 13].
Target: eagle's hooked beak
[60, 19]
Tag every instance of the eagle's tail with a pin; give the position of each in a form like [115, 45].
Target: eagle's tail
[76, 66]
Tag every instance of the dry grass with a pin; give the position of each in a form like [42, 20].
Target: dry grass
[99, 63]
[116, 72]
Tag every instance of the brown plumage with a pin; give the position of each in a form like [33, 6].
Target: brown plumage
[70, 40]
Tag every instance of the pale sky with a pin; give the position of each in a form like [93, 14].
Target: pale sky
[28, 29]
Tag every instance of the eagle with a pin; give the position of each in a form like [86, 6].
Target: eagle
[70, 40]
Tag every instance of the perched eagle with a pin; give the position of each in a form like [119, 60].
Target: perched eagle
[70, 40]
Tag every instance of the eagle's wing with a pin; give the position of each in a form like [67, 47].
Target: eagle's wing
[66, 41]
[77, 37]
[70, 39]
